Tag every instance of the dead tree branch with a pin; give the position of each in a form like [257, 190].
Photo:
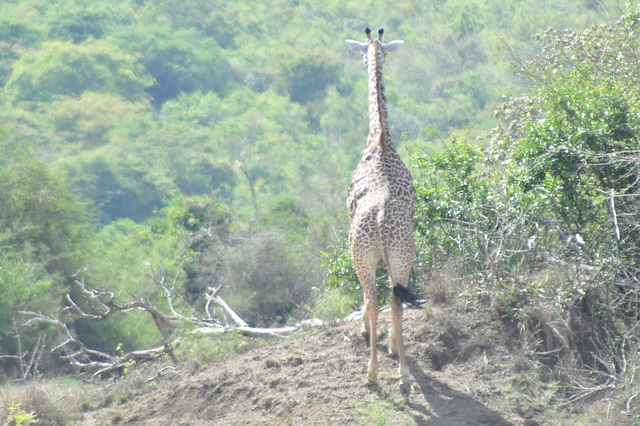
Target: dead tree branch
[27, 367]
[98, 305]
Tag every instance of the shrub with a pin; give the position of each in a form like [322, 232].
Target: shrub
[341, 275]
[334, 304]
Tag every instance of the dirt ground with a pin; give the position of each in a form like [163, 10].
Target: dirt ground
[460, 358]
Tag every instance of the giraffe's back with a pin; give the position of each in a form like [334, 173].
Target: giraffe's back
[378, 179]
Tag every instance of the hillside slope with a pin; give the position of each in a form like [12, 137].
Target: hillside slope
[460, 358]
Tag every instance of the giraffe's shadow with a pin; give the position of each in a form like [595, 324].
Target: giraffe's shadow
[433, 402]
[447, 406]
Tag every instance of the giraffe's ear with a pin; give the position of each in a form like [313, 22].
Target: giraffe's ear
[392, 46]
[356, 46]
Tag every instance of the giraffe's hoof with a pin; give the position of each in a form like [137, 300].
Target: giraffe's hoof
[372, 380]
[365, 335]
[393, 351]
[405, 389]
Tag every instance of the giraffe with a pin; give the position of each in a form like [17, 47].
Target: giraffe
[381, 204]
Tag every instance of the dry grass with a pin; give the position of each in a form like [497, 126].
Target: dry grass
[64, 400]
[52, 402]
[576, 355]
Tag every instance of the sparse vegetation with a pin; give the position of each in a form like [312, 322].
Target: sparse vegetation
[382, 411]
[198, 352]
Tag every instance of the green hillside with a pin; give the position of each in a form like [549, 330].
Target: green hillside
[143, 101]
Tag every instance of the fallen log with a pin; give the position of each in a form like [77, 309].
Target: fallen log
[248, 331]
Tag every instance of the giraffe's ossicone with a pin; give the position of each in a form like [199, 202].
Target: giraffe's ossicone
[381, 204]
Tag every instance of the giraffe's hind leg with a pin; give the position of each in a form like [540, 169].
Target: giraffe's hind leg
[400, 251]
[393, 341]
[396, 346]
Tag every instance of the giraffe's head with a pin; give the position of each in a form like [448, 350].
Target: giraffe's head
[374, 48]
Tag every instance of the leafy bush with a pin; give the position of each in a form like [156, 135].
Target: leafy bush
[341, 275]
[470, 215]
[575, 139]
[17, 416]
[333, 304]
[262, 276]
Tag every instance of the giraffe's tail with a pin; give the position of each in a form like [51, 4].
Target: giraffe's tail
[405, 295]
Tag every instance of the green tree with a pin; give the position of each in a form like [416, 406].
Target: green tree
[180, 61]
[184, 139]
[43, 227]
[39, 213]
[67, 69]
[304, 75]
[79, 23]
[122, 181]
[16, 35]
[95, 119]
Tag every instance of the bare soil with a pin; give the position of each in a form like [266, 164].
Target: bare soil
[461, 360]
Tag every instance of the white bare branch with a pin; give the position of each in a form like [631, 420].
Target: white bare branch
[99, 305]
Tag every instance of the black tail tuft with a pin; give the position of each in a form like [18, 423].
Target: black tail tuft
[406, 296]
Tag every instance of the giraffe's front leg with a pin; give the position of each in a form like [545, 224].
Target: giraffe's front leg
[366, 325]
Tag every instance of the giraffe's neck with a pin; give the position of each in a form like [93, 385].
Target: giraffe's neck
[379, 132]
